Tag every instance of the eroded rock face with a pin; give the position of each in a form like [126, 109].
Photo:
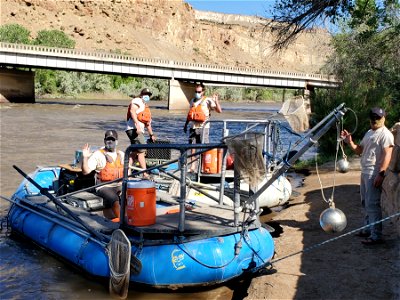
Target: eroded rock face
[170, 30]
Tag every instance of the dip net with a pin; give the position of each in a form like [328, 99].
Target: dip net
[247, 149]
[119, 260]
[295, 113]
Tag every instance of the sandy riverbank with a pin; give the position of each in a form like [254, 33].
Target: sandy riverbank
[341, 269]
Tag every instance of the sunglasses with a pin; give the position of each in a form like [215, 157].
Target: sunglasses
[199, 92]
[110, 139]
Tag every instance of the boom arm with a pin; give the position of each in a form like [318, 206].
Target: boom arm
[320, 129]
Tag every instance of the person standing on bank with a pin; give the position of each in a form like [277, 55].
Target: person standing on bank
[108, 162]
[137, 119]
[200, 112]
[375, 149]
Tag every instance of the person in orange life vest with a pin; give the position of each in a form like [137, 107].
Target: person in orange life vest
[108, 162]
[198, 119]
[138, 118]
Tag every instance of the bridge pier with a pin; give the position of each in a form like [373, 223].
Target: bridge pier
[180, 94]
[308, 94]
[17, 86]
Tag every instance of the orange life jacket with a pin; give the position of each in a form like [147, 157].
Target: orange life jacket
[144, 116]
[113, 169]
[196, 113]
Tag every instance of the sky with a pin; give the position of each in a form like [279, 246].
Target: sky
[258, 8]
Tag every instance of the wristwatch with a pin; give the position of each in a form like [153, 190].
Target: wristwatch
[382, 173]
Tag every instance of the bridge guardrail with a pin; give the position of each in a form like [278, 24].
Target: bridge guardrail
[107, 56]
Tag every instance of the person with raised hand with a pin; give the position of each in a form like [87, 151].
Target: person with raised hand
[108, 163]
[199, 113]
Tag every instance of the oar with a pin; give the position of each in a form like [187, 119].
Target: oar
[133, 260]
[46, 193]
[136, 265]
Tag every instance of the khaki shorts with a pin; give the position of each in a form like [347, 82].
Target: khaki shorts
[136, 139]
[195, 135]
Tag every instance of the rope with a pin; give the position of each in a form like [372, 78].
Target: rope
[339, 142]
[183, 248]
[330, 200]
[238, 246]
[356, 120]
[336, 238]
[336, 158]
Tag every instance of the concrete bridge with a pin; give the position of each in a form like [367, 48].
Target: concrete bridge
[181, 75]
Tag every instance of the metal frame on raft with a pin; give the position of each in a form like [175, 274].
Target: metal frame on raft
[271, 139]
[269, 128]
[313, 136]
[183, 148]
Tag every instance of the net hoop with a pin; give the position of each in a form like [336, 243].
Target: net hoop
[119, 260]
[247, 150]
[295, 113]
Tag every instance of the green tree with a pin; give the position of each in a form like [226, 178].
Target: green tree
[70, 83]
[235, 94]
[159, 88]
[74, 83]
[250, 94]
[14, 33]
[366, 57]
[45, 82]
[54, 38]
[132, 87]
[369, 67]
[292, 17]
[220, 91]
[100, 83]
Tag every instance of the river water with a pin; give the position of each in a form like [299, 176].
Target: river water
[48, 133]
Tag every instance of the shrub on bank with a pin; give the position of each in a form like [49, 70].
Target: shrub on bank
[14, 33]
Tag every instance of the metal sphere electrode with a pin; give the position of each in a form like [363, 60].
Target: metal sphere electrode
[332, 220]
[343, 165]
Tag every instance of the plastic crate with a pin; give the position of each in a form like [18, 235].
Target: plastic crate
[159, 154]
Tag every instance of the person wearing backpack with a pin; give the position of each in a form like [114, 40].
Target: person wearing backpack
[200, 111]
[138, 118]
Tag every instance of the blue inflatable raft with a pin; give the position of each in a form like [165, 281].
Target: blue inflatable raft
[202, 246]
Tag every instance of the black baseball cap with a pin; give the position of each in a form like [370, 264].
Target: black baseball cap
[111, 134]
[145, 91]
[380, 112]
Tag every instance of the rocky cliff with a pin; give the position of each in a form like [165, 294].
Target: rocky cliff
[169, 30]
